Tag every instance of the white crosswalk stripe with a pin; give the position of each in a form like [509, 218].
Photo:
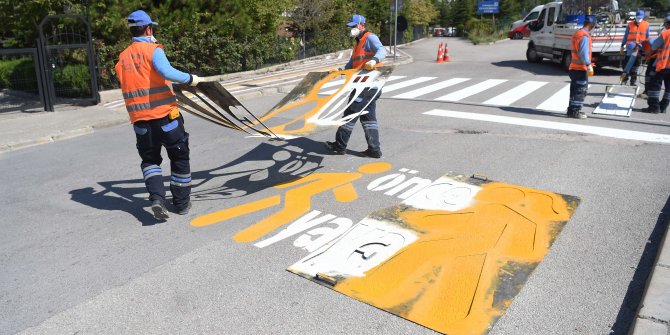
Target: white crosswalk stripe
[471, 90]
[391, 78]
[406, 83]
[557, 102]
[513, 95]
[430, 89]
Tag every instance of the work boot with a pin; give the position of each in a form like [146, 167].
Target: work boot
[334, 148]
[650, 110]
[372, 153]
[160, 212]
[577, 115]
[185, 210]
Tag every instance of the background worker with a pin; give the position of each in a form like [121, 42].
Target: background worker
[368, 52]
[649, 57]
[636, 32]
[145, 73]
[662, 46]
[580, 67]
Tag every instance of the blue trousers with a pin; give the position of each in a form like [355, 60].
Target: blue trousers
[579, 84]
[654, 91]
[151, 136]
[368, 121]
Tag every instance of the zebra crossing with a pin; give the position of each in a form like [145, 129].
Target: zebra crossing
[538, 95]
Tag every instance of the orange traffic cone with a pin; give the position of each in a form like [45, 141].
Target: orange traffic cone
[440, 55]
[446, 53]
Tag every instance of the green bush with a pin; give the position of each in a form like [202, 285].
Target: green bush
[483, 31]
[72, 81]
[18, 74]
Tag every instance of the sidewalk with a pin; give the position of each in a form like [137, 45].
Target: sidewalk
[22, 130]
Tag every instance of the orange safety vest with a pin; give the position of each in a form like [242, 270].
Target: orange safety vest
[577, 63]
[637, 33]
[360, 56]
[146, 93]
[663, 60]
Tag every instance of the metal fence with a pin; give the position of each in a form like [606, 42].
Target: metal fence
[60, 71]
[21, 85]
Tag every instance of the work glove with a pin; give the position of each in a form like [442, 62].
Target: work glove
[195, 80]
[589, 70]
[623, 50]
[370, 65]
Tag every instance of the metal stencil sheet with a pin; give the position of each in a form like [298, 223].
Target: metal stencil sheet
[300, 113]
[618, 101]
[451, 257]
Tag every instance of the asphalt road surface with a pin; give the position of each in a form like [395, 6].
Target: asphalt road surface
[80, 252]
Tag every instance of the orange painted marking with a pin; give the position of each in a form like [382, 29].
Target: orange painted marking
[296, 200]
[450, 278]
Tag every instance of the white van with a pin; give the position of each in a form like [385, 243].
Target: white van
[532, 15]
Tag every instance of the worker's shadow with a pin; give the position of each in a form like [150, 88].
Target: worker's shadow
[268, 164]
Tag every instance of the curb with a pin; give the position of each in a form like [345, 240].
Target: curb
[653, 314]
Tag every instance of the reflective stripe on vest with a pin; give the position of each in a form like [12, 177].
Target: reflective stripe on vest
[360, 56]
[577, 63]
[146, 93]
[663, 60]
[637, 33]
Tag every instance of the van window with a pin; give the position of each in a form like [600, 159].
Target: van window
[551, 15]
[543, 13]
[531, 16]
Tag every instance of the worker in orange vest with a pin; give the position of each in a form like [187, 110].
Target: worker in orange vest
[145, 74]
[662, 77]
[580, 67]
[636, 32]
[368, 52]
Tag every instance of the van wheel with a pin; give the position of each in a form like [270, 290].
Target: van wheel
[567, 59]
[531, 55]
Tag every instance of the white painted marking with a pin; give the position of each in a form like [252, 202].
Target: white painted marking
[364, 246]
[444, 194]
[431, 88]
[557, 102]
[391, 78]
[601, 131]
[407, 83]
[472, 90]
[513, 95]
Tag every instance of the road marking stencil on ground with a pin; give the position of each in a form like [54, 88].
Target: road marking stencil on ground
[601, 131]
[451, 257]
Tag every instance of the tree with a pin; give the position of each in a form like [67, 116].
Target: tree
[420, 12]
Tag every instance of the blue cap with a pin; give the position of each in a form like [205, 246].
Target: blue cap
[589, 19]
[355, 20]
[139, 18]
[667, 19]
[640, 14]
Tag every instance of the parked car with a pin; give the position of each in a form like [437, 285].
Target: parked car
[532, 15]
[439, 32]
[519, 32]
[451, 32]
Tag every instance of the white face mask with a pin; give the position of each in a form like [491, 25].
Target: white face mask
[638, 20]
[354, 32]
[152, 39]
